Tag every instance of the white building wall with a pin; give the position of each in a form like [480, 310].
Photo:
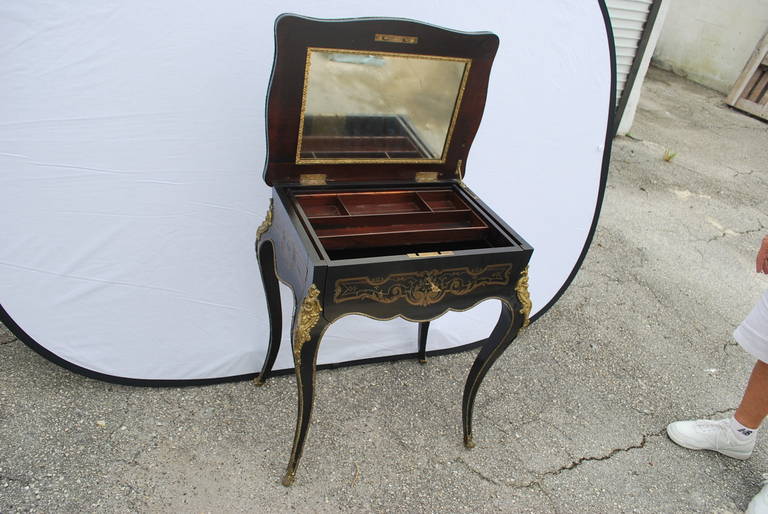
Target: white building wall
[709, 41]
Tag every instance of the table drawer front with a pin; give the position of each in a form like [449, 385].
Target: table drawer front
[421, 288]
[423, 292]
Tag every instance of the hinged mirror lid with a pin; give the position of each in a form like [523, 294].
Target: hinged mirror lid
[373, 99]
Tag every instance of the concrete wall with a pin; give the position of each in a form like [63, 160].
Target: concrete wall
[709, 41]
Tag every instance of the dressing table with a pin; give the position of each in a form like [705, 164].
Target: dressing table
[369, 125]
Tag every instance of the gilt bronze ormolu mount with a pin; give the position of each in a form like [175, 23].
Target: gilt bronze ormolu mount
[369, 123]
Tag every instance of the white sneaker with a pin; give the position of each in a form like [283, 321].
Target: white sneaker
[704, 434]
[759, 503]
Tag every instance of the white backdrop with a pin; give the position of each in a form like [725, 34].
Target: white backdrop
[131, 150]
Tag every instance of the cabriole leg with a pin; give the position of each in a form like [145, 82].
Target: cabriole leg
[265, 253]
[423, 329]
[308, 328]
[503, 334]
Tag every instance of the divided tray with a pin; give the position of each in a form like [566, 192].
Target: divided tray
[367, 219]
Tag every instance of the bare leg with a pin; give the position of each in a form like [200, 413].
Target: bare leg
[754, 403]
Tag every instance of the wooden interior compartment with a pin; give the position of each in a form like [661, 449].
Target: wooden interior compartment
[383, 202]
[377, 224]
[404, 239]
[402, 229]
[347, 223]
[443, 200]
[315, 205]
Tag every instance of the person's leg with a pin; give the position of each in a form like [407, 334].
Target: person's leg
[734, 437]
[754, 402]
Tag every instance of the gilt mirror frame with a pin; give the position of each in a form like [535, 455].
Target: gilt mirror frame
[446, 134]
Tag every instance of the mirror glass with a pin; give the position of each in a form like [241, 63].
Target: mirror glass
[378, 107]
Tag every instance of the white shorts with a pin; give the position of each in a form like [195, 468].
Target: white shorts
[752, 334]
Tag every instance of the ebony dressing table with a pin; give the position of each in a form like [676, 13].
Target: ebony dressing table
[369, 125]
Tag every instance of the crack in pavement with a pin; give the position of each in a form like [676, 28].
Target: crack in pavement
[575, 463]
[581, 460]
[737, 172]
[460, 460]
[548, 497]
[578, 462]
[533, 484]
[719, 412]
[731, 232]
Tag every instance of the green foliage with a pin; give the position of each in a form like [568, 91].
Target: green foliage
[669, 155]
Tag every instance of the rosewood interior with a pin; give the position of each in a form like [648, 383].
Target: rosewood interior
[395, 218]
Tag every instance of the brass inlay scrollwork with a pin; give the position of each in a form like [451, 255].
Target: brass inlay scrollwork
[522, 295]
[266, 223]
[308, 317]
[421, 288]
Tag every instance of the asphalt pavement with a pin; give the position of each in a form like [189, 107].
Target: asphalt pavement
[571, 418]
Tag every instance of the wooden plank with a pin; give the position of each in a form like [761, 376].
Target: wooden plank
[752, 108]
[750, 85]
[757, 91]
[760, 52]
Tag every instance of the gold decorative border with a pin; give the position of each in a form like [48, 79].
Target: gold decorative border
[309, 315]
[267, 221]
[522, 295]
[421, 288]
[454, 117]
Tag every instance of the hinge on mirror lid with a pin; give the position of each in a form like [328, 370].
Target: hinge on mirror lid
[458, 170]
[426, 176]
[461, 182]
[312, 179]
[396, 38]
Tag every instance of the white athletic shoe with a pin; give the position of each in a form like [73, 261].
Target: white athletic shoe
[703, 434]
[759, 504]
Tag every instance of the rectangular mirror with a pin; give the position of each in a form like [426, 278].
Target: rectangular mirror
[378, 107]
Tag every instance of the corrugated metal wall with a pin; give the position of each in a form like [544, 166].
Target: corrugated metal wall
[628, 18]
